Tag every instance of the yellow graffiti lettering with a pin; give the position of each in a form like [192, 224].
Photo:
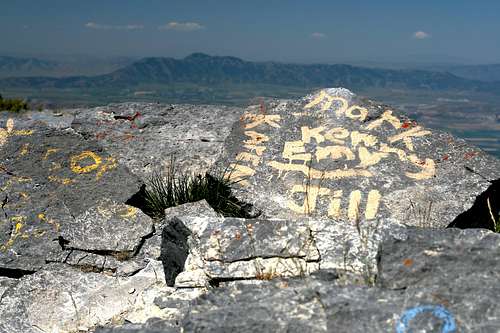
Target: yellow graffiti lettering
[317, 174]
[334, 152]
[386, 117]
[354, 202]
[384, 148]
[109, 165]
[129, 212]
[295, 150]
[244, 156]
[367, 159]
[256, 138]
[334, 207]
[337, 135]
[310, 198]
[43, 218]
[323, 96]
[49, 152]
[63, 181]
[428, 168]
[260, 119]
[258, 149]
[239, 173]
[18, 220]
[86, 155]
[24, 149]
[372, 204]
[367, 139]
[308, 133]
[359, 115]
[8, 131]
[406, 136]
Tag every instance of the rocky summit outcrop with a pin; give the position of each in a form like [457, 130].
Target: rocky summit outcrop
[357, 227]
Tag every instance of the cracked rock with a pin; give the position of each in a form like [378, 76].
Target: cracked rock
[335, 155]
[57, 184]
[62, 299]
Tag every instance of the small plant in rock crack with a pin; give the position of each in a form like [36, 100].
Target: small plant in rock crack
[368, 270]
[421, 214]
[173, 189]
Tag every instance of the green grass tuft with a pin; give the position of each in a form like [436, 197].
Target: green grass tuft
[12, 105]
[170, 190]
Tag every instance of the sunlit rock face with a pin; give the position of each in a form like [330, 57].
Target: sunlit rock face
[351, 197]
[335, 155]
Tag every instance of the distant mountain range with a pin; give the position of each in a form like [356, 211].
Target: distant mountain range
[60, 66]
[489, 73]
[205, 70]
[13, 66]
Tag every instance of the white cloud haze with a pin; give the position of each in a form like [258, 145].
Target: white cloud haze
[181, 26]
[421, 35]
[318, 35]
[98, 26]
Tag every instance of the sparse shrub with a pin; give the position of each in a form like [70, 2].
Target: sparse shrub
[13, 105]
[170, 190]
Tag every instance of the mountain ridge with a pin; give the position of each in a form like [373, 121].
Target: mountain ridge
[200, 68]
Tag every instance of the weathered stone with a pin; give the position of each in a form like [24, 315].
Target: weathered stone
[339, 180]
[449, 258]
[108, 226]
[144, 136]
[228, 249]
[117, 263]
[62, 299]
[334, 155]
[55, 184]
[6, 283]
[195, 217]
[431, 289]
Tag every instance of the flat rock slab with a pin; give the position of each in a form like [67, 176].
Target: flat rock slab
[62, 299]
[334, 155]
[54, 184]
[424, 286]
[201, 249]
[145, 136]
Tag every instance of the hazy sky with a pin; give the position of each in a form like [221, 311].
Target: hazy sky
[282, 30]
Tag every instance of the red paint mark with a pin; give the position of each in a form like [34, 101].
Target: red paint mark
[262, 107]
[470, 155]
[408, 262]
[406, 125]
[445, 157]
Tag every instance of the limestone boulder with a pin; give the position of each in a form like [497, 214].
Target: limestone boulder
[424, 285]
[145, 136]
[61, 192]
[333, 154]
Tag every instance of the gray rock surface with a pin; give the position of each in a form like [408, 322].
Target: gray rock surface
[423, 287]
[340, 181]
[145, 136]
[56, 184]
[63, 299]
[333, 154]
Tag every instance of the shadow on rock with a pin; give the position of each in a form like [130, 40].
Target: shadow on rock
[484, 213]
